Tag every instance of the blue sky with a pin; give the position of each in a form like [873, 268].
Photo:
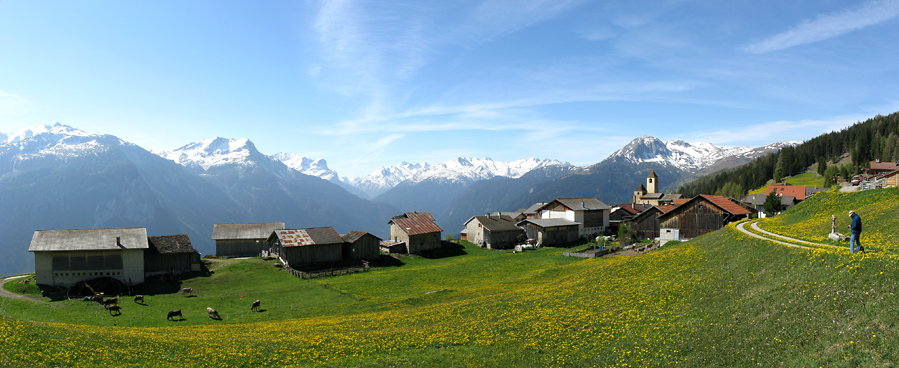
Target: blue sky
[369, 83]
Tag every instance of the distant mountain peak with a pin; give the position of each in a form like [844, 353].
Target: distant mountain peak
[218, 151]
[314, 167]
[677, 153]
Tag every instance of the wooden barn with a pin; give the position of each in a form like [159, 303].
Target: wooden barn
[65, 257]
[646, 224]
[492, 231]
[306, 247]
[550, 232]
[621, 213]
[359, 245]
[170, 254]
[242, 240]
[700, 215]
[417, 229]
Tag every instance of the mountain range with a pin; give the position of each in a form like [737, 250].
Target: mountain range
[59, 177]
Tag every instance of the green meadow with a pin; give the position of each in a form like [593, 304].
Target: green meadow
[723, 299]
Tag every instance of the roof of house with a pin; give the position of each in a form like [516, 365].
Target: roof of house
[755, 199]
[353, 236]
[512, 214]
[89, 239]
[787, 200]
[303, 237]
[679, 201]
[666, 208]
[581, 204]
[416, 223]
[797, 191]
[391, 243]
[888, 174]
[652, 196]
[259, 230]
[496, 223]
[631, 208]
[716, 200]
[640, 188]
[170, 244]
[881, 166]
[533, 208]
[544, 223]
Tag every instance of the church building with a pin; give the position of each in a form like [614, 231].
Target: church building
[650, 195]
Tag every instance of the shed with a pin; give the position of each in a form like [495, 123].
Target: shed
[65, 257]
[359, 245]
[550, 232]
[243, 239]
[646, 224]
[305, 247]
[493, 232]
[170, 254]
[417, 229]
[701, 215]
[393, 246]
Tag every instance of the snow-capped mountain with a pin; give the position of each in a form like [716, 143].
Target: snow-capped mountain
[220, 152]
[308, 166]
[57, 140]
[677, 153]
[460, 170]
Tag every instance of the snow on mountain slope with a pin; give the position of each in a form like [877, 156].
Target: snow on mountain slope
[308, 166]
[460, 169]
[677, 153]
[56, 140]
[208, 153]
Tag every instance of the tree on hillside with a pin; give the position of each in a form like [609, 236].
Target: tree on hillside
[772, 204]
[779, 169]
[822, 166]
[830, 176]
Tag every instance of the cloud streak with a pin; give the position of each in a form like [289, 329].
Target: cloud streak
[828, 26]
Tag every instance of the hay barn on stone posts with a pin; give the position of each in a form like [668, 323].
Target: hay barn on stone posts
[359, 245]
[417, 229]
[306, 247]
[243, 239]
[492, 231]
[170, 254]
[65, 257]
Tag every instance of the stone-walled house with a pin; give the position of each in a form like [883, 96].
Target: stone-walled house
[243, 239]
[417, 229]
[65, 257]
[493, 231]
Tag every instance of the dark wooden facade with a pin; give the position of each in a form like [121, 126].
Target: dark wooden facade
[550, 235]
[361, 246]
[646, 224]
[701, 215]
[227, 248]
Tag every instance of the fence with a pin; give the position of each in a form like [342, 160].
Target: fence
[874, 184]
[328, 272]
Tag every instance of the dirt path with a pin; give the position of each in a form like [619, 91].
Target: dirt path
[771, 236]
[6, 294]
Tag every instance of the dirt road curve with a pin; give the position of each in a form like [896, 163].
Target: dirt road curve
[7, 294]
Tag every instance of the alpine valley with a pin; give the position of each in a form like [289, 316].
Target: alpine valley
[59, 177]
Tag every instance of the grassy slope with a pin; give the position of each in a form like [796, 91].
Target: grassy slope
[719, 300]
[809, 179]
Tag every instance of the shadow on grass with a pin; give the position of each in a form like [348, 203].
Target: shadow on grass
[447, 249]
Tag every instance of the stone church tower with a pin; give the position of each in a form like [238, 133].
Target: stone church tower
[652, 183]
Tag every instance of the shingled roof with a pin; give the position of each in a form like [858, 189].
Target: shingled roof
[545, 223]
[353, 236]
[259, 230]
[496, 223]
[89, 239]
[581, 204]
[725, 204]
[170, 244]
[303, 237]
[416, 223]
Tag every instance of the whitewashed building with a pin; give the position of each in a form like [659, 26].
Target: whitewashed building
[65, 257]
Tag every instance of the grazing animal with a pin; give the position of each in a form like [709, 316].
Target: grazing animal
[114, 308]
[111, 301]
[186, 291]
[175, 313]
[255, 306]
[213, 313]
[139, 298]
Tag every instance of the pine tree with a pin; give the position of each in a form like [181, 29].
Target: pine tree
[822, 166]
[779, 168]
[772, 204]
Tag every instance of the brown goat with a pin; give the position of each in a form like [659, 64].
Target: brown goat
[111, 301]
[139, 298]
[114, 308]
[214, 314]
[174, 313]
[255, 306]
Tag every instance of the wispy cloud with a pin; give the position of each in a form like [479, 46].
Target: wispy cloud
[11, 103]
[775, 131]
[829, 25]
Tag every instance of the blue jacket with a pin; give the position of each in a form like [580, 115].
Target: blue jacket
[856, 225]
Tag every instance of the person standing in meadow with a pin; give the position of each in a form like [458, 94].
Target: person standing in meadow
[854, 238]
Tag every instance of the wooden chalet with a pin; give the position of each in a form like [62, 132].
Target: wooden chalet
[243, 239]
[890, 179]
[417, 229]
[551, 232]
[591, 214]
[878, 168]
[533, 212]
[170, 254]
[700, 215]
[65, 257]
[645, 225]
[359, 245]
[621, 214]
[305, 247]
[492, 231]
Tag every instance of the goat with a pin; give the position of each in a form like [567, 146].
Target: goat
[214, 314]
[114, 308]
[255, 306]
[139, 298]
[174, 313]
[111, 301]
[186, 291]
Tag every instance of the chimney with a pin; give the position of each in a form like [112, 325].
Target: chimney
[118, 241]
[488, 214]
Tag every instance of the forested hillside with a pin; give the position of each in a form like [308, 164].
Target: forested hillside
[874, 139]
